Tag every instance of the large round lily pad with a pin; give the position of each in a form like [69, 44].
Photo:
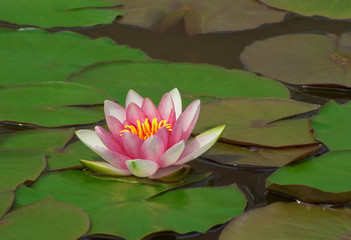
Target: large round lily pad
[34, 55]
[59, 13]
[51, 104]
[230, 154]
[200, 16]
[325, 179]
[133, 210]
[19, 166]
[46, 219]
[154, 78]
[6, 199]
[332, 125]
[303, 59]
[255, 121]
[289, 221]
[337, 9]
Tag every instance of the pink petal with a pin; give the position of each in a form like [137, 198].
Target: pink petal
[200, 144]
[150, 109]
[165, 106]
[177, 132]
[90, 139]
[177, 101]
[105, 168]
[108, 140]
[115, 159]
[115, 127]
[115, 110]
[134, 114]
[152, 148]
[190, 115]
[164, 134]
[133, 97]
[163, 172]
[131, 144]
[172, 154]
[172, 117]
[142, 167]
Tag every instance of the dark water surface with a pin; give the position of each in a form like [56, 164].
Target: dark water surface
[221, 49]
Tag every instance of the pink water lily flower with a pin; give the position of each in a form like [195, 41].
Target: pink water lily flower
[147, 141]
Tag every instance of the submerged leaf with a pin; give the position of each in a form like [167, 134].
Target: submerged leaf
[6, 199]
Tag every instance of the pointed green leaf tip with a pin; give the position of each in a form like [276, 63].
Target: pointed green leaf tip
[104, 168]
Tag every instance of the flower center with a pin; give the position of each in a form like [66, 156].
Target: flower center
[144, 130]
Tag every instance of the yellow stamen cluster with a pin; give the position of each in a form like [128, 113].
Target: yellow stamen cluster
[145, 130]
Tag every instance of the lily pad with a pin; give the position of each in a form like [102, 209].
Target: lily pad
[303, 59]
[33, 55]
[51, 104]
[337, 9]
[332, 125]
[289, 221]
[6, 199]
[35, 139]
[265, 157]
[255, 121]
[17, 167]
[154, 78]
[133, 210]
[325, 179]
[200, 16]
[59, 13]
[46, 219]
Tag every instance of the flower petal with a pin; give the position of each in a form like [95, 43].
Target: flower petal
[150, 109]
[164, 134]
[200, 144]
[115, 127]
[177, 101]
[115, 110]
[165, 106]
[172, 154]
[134, 114]
[105, 168]
[116, 159]
[177, 132]
[171, 173]
[133, 97]
[152, 148]
[90, 139]
[131, 144]
[108, 140]
[142, 167]
[190, 115]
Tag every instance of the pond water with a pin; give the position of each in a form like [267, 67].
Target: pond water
[222, 49]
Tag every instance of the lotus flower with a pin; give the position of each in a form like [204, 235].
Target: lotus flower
[146, 141]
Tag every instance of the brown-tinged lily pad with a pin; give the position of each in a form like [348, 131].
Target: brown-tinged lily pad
[200, 16]
[325, 179]
[255, 121]
[230, 154]
[289, 221]
[45, 219]
[6, 199]
[17, 167]
[332, 126]
[303, 59]
[336, 9]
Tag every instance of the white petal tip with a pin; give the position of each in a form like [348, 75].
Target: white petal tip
[104, 168]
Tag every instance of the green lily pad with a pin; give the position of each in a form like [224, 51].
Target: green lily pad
[303, 59]
[133, 210]
[332, 125]
[33, 55]
[154, 78]
[51, 104]
[46, 219]
[36, 139]
[200, 16]
[17, 167]
[337, 9]
[289, 221]
[325, 179]
[265, 157]
[254, 121]
[59, 13]
[6, 199]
